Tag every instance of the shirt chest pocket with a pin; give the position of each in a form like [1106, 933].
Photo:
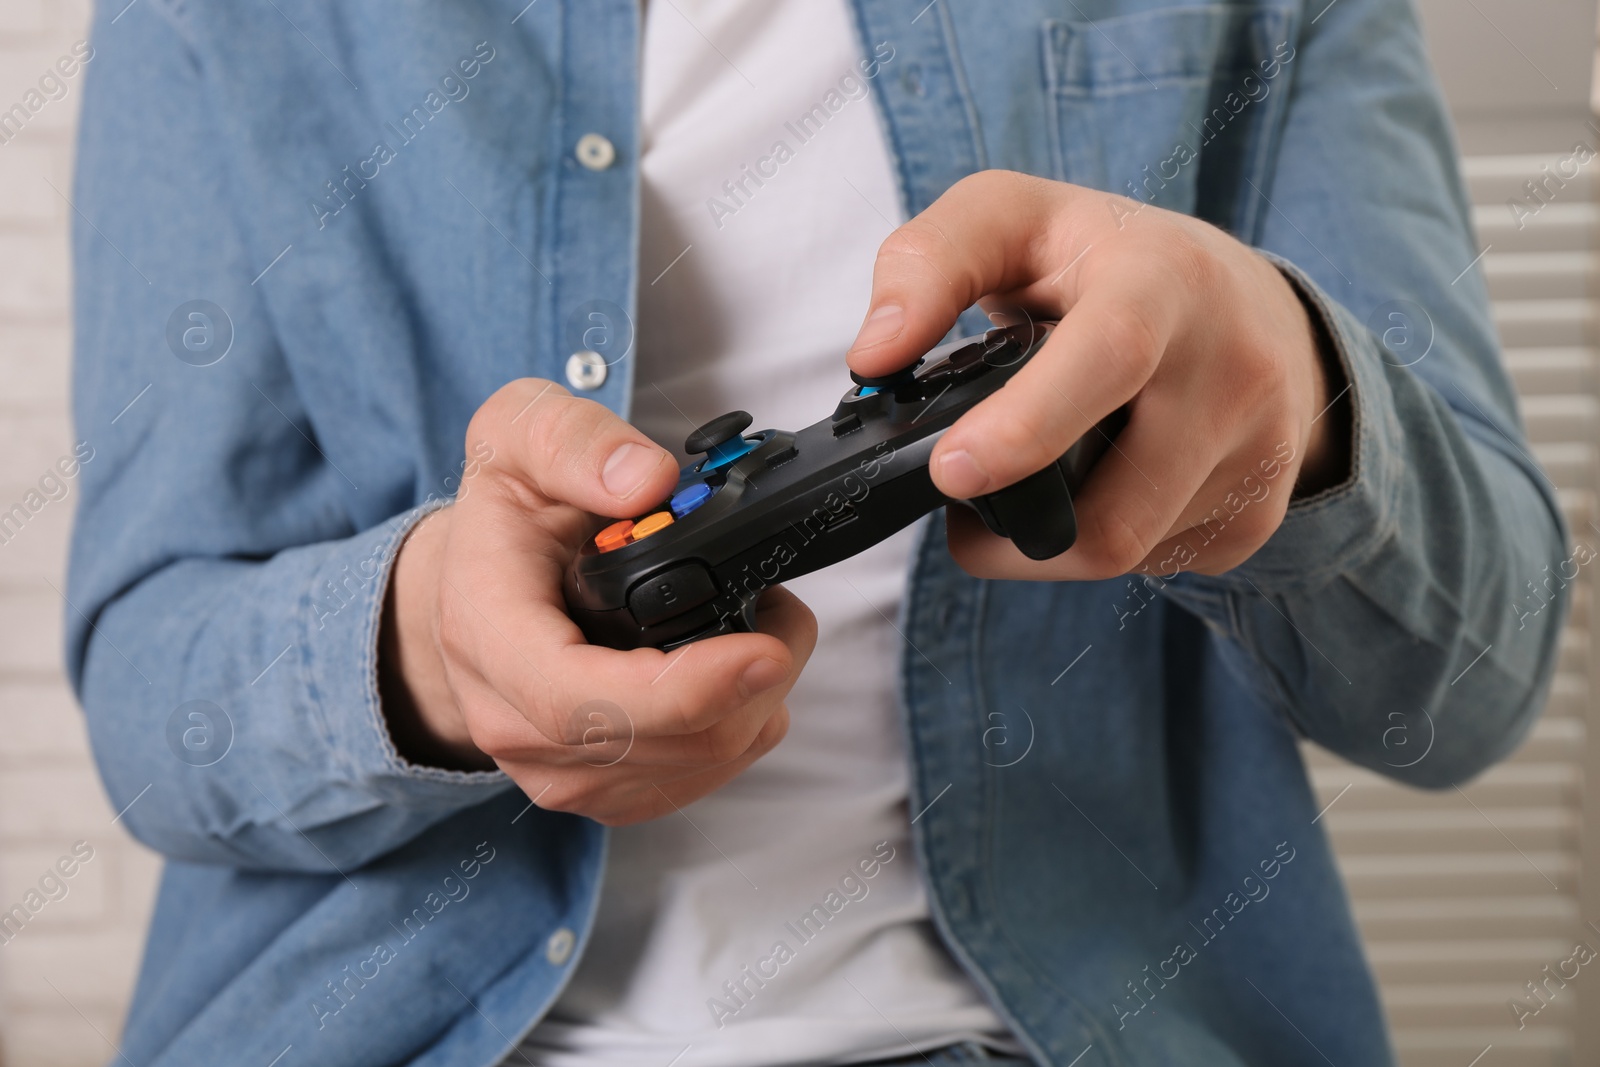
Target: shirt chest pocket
[1179, 108]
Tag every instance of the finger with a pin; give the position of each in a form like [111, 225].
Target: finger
[505, 624]
[782, 615]
[1227, 522]
[978, 238]
[1100, 356]
[554, 688]
[1131, 501]
[558, 448]
[618, 803]
[603, 744]
[1201, 550]
[689, 788]
[697, 687]
[1255, 481]
[566, 692]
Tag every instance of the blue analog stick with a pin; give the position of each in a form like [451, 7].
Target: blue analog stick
[721, 440]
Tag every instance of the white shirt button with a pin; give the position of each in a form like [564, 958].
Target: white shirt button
[559, 948]
[586, 370]
[595, 152]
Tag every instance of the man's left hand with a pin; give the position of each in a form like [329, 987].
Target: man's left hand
[1203, 338]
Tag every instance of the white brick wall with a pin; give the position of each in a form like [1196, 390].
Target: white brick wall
[66, 976]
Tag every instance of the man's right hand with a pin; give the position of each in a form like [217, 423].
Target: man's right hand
[481, 667]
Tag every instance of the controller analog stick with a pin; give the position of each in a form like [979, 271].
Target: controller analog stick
[719, 430]
[899, 377]
[720, 439]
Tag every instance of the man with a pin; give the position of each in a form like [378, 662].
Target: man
[1047, 812]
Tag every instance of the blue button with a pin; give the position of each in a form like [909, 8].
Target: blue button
[866, 390]
[688, 499]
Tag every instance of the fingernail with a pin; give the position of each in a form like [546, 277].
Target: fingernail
[884, 324]
[760, 676]
[961, 476]
[627, 468]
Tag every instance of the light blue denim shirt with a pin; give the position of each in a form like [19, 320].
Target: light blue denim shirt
[382, 199]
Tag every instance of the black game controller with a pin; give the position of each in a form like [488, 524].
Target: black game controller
[767, 507]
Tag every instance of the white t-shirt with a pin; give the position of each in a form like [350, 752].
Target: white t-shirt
[781, 919]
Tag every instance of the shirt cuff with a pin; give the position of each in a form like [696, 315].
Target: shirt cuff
[342, 614]
[1325, 535]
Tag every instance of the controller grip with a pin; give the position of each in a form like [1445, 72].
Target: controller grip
[1035, 514]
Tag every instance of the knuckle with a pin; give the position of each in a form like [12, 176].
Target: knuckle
[453, 635]
[1189, 259]
[724, 745]
[985, 185]
[1132, 341]
[558, 429]
[773, 731]
[494, 735]
[506, 404]
[692, 712]
[566, 795]
[922, 247]
[979, 182]
[1259, 373]
[1256, 528]
[908, 243]
[633, 810]
[1222, 561]
[1116, 546]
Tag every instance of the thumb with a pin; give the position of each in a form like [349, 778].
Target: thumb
[974, 240]
[569, 450]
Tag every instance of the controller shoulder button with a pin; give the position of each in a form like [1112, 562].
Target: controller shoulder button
[848, 424]
[671, 592]
[1002, 347]
[966, 357]
[782, 456]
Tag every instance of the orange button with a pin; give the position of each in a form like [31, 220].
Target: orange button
[650, 524]
[614, 536]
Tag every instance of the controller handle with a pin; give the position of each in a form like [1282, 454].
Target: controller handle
[1035, 514]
